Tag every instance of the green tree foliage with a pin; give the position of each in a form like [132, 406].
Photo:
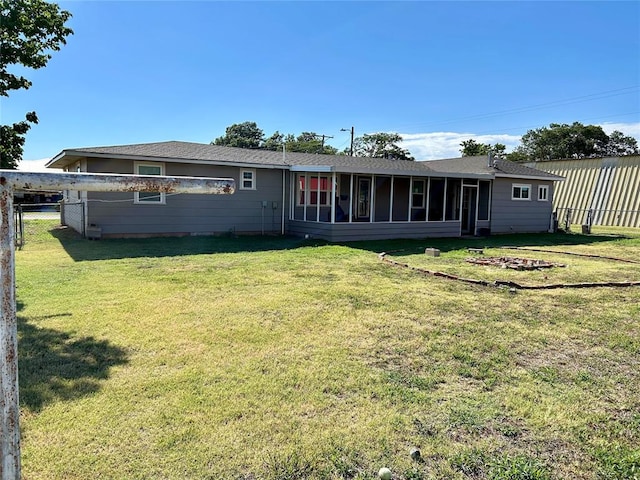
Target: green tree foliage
[620, 144]
[471, 148]
[248, 135]
[13, 141]
[380, 145]
[31, 29]
[308, 142]
[241, 135]
[572, 141]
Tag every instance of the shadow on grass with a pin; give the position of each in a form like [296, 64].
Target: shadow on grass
[81, 249]
[55, 366]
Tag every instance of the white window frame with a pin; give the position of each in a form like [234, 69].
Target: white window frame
[252, 180]
[520, 186]
[415, 181]
[543, 197]
[307, 191]
[162, 200]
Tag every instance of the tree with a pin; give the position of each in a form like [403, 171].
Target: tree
[380, 145]
[31, 29]
[248, 135]
[620, 144]
[241, 135]
[274, 142]
[309, 142]
[563, 141]
[471, 148]
[12, 143]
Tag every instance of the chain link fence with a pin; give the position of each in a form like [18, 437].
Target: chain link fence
[587, 217]
[35, 222]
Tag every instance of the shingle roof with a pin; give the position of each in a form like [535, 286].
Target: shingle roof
[480, 165]
[216, 154]
[520, 170]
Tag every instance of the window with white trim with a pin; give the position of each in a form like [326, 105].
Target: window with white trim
[520, 191]
[149, 197]
[543, 193]
[418, 193]
[313, 190]
[247, 179]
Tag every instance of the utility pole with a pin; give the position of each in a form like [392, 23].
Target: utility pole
[352, 132]
[323, 137]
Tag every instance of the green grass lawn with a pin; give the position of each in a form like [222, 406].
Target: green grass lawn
[279, 358]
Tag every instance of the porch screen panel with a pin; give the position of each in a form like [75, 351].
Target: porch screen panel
[454, 191]
[484, 196]
[436, 199]
[382, 199]
[344, 197]
[401, 192]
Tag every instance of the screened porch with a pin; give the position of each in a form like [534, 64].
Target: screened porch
[353, 198]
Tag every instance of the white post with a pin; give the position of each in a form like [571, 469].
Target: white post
[10, 446]
[11, 180]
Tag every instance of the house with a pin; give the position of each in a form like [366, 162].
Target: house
[598, 191]
[338, 198]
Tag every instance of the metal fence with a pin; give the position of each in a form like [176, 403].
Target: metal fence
[34, 222]
[592, 216]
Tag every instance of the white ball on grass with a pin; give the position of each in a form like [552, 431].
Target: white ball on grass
[384, 473]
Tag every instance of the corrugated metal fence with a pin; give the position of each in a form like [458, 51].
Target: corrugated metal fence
[608, 189]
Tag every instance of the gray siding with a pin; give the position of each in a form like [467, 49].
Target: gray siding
[242, 212]
[522, 216]
[344, 232]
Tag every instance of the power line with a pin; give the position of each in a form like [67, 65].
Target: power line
[556, 103]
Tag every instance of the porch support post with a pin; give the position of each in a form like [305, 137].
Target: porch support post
[372, 199]
[393, 179]
[333, 197]
[318, 198]
[410, 199]
[351, 198]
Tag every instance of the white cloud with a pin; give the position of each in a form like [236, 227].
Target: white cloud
[436, 145]
[630, 129]
[34, 165]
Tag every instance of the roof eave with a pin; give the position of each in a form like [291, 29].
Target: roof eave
[76, 154]
[554, 178]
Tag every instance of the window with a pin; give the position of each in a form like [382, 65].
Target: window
[520, 192]
[149, 169]
[247, 179]
[417, 194]
[312, 189]
[543, 193]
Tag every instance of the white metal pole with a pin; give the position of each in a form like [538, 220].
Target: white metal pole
[10, 446]
[10, 181]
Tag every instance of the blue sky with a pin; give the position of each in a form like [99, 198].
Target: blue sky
[435, 72]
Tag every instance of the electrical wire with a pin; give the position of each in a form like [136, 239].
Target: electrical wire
[540, 106]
